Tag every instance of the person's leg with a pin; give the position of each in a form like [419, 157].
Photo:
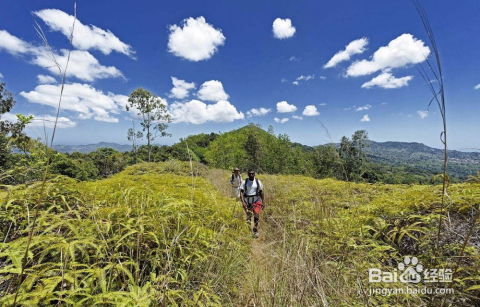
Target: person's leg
[249, 217]
[256, 219]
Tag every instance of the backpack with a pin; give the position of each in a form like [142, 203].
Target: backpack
[232, 179]
[245, 186]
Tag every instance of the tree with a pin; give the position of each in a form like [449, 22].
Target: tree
[154, 114]
[11, 132]
[352, 153]
[108, 161]
[132, 136]
[252, 148]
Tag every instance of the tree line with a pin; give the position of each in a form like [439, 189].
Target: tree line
[249, 147]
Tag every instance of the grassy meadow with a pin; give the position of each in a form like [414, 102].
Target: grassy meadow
[159, 234]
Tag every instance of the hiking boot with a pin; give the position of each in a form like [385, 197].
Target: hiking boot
[255, 232]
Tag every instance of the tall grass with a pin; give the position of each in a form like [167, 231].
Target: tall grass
[20, 278]
[134, 239]
[435, 81]
[318, 238]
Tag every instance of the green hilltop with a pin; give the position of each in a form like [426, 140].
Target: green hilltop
[253, 147]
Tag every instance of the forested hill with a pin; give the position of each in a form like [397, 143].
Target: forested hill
[407, 152]
[422, 158]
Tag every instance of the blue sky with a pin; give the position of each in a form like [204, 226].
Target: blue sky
[229, 57]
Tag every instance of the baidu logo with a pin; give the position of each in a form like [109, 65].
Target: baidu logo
[410, 270]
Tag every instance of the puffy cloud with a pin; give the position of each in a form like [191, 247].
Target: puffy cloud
[354, 47]
[401, 51]
[82, 65]
[49, 121]
[258, 112]
[310, 110]
[363, 108]
[387, 80]
[281, 120]
[304, 78]
[212, 91]
[13, 44]
[282, 28]
[1, 75]
[195, 39]
[85, 37]
[83, 99]
[422, 114]
[285, 107]
[297, 117]
[198, 112]
[45, 79]
[477, 87]
[293, 59]
[181, 88]
[365, 118]
[42, 120]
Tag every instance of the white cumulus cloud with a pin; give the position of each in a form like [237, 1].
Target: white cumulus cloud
[195, 39]
[181, 88]
[310, 110]
[388, 81]
[285, 107]
[82, 64]
[85, 37]
[82, 99]
[297, 117]
[49, 121]
[212, 91]
[282, 28]
[198, 112]
[281, 120]
[477, 87]
[45, 79]
[13, 44]
[357, 46]
[365, 118]
[402, 51]
[422, 114]
[258, 112]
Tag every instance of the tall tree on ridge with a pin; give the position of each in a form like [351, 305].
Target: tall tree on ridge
[153, 112]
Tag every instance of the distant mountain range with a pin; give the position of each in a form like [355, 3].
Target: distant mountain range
[91, 147]
[421, 157]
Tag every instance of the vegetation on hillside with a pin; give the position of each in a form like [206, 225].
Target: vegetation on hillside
[155, 234]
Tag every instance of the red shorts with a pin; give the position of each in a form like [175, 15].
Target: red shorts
[257, 207]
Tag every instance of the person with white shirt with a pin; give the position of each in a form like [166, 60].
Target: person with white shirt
[236, 182]
[252, 197]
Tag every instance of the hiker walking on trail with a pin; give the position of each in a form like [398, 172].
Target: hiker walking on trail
[236, 182]
[252, 199]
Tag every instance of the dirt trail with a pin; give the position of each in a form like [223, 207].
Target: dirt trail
[279, 270]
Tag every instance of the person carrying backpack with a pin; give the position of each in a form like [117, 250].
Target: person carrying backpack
[236, 182]
[252, 196]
